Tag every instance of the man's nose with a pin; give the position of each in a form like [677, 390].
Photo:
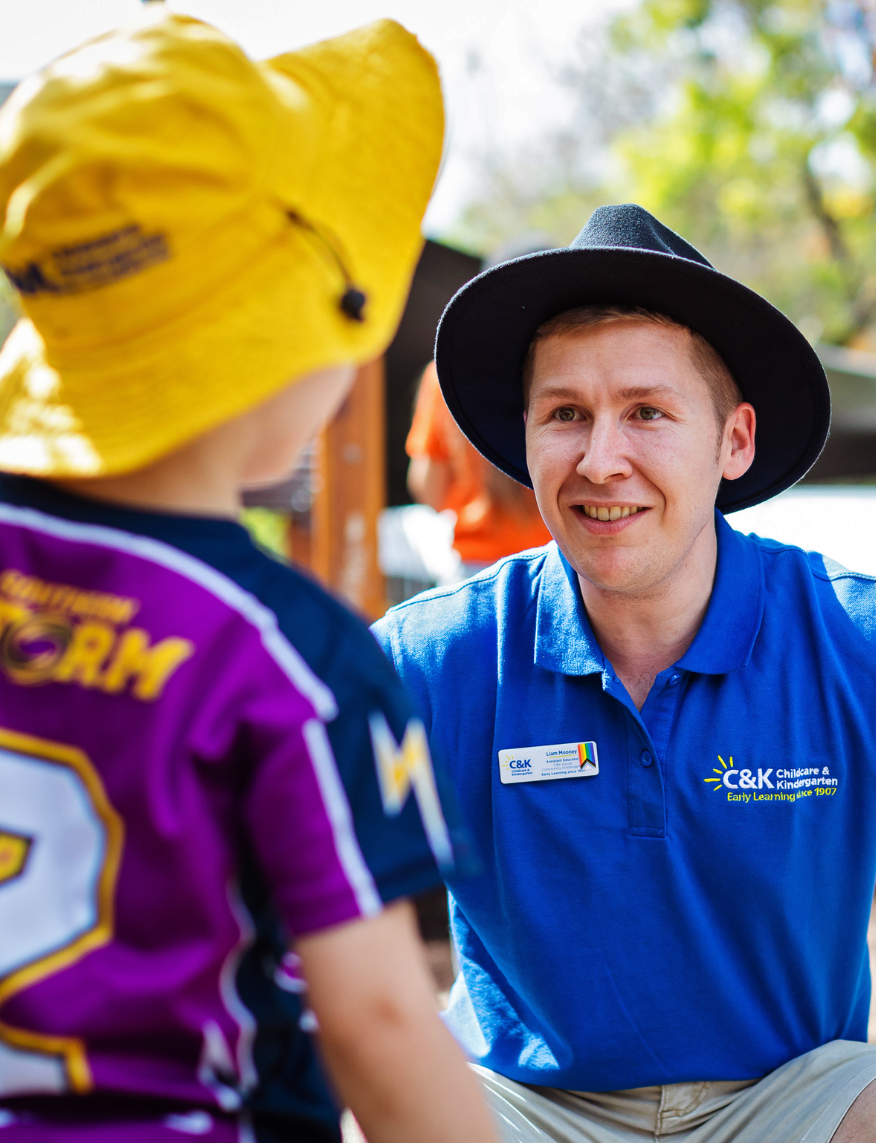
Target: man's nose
[604, 456]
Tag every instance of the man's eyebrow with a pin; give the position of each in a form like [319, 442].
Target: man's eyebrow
[557, 391]
[641, 392]
[631, 393]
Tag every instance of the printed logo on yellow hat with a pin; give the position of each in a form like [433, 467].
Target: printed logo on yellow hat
[189, 230]
[91, 264]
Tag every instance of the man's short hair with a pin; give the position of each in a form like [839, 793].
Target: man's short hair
[706, 360]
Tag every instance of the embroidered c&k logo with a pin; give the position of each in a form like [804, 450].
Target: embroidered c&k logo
[772, 785]
[733, 779]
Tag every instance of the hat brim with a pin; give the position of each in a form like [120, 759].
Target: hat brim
[487, 327]
[367, 112]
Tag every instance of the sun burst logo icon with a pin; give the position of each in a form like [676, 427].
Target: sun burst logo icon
[719, 781]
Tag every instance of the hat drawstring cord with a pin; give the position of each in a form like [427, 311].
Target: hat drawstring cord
[352, 301]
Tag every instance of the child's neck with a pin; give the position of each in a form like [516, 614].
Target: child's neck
[205, 476]
[200, 479]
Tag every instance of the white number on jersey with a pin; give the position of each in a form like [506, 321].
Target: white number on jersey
[60, 847]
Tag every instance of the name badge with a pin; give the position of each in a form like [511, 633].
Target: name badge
[542, 763]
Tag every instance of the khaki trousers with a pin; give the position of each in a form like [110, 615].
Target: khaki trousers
[801, 1102]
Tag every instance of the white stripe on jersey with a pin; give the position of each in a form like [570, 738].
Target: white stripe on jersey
[234, 1005]
[275, 643]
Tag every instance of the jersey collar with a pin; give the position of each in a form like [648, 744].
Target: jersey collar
[179, 529]
[564, 639]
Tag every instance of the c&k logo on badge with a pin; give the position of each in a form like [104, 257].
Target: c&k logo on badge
[521, 764]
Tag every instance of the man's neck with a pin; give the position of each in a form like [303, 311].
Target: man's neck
[643, 634]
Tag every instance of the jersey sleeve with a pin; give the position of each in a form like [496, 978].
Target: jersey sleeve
[405, 813]
[296, 816]
[404, 820]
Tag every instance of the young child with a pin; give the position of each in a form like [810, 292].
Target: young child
[203, 757]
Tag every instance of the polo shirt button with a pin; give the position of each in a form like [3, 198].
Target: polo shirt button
[646, 758]
[673, 679]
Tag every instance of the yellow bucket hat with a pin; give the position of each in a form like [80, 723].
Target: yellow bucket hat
[189, 230]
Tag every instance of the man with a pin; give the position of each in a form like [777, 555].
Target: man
[661, 730]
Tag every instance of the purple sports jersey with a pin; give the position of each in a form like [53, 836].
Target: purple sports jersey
[153, 721]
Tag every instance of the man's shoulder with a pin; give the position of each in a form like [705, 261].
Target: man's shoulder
[840, 594]
[467, 611]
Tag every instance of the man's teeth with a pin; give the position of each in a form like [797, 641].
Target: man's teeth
[603, 512]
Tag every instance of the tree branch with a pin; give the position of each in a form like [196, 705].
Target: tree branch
[863, 308]
[815, 197]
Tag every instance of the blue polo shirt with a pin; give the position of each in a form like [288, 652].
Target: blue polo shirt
[697, 909]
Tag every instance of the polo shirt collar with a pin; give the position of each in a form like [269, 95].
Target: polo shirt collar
[564, 639]
[729, 628]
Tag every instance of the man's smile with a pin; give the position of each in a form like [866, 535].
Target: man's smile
[605, 519]
[608, 511]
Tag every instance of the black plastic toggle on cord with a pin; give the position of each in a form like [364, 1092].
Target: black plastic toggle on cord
[352, 301]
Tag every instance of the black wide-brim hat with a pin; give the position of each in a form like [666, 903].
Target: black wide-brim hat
[624, 256]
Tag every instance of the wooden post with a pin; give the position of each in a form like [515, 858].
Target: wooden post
[298, 544]
[351, 493]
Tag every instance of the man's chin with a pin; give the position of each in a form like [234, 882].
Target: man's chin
[613, 555]
[606, 571]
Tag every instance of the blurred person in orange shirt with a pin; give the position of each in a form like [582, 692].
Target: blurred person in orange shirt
[495, 516]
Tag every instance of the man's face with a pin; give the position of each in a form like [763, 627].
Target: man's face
[621, 425]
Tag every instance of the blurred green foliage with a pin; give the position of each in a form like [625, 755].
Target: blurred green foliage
[749, 126]
[269, 529]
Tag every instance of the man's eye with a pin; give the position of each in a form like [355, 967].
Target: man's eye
[649, 414]
[565, 414]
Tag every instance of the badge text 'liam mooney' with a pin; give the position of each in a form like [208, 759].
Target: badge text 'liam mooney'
[53, 632]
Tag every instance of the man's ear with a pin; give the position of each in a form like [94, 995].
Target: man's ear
[737, 446]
